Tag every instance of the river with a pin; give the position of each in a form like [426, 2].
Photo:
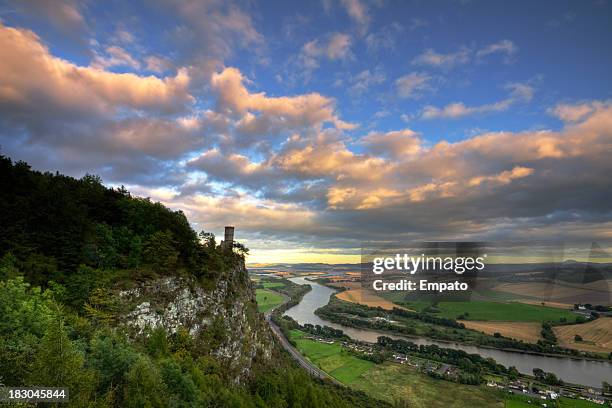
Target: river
[576, 371]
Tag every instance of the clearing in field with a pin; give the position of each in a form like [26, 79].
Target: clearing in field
[596, 335]
[527, 331]
[367, 298]
[267, 299]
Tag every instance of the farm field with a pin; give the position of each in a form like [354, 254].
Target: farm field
[331, 358]
[391, 381]
[367, 298]
[526, 331]
[267, 299]
[558, 305]
[270, 285]
[594, 292]
[497, 311]
[596, 335]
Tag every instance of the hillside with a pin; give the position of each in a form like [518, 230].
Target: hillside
[118, 299]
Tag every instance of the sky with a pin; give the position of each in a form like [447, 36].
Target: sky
[313, 127]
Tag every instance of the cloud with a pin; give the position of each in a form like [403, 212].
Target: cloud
[432, 58]
[505, 177]
[358, 12]
[287, 112]
[413, 85]
[211, 31]
[233, 168]
[158, 63]
[506, 47]
[366, 79]
[336, 47]
[30, 77]
[384, 39]
[116, 57]
[396, 144]
[326, 157]
[464, 55]
[574, 113]
[485, 185]
[519, 92]
[64, 15]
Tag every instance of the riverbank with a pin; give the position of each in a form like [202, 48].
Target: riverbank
[584, 372]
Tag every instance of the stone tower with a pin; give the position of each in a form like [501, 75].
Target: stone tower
[228, 242]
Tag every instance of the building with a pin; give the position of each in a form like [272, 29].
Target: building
[228, 241]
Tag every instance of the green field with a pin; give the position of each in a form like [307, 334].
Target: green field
[270, 285]
[520, 401]
[267, 299]
[332, 358]
[392, 382]
[497, 311]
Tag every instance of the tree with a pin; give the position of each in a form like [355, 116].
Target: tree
[144, 385]
[59, 363]
[102, 306]
[8, 266]
[241, 249]
[513, 373]
[207, 239]
[159, 251]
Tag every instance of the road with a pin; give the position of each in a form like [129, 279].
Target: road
[297, 356]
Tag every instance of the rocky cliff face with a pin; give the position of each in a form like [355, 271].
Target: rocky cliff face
[223, 319]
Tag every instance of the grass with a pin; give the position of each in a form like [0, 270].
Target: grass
[393, 382]
[497, 311]
[267, 299]
[520, 401]
[332, 358]
[390, 381]
[577, 403]
[270, 285]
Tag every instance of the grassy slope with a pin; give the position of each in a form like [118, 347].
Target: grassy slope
[266, 299]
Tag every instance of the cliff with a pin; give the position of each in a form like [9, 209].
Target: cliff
[223, 319]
